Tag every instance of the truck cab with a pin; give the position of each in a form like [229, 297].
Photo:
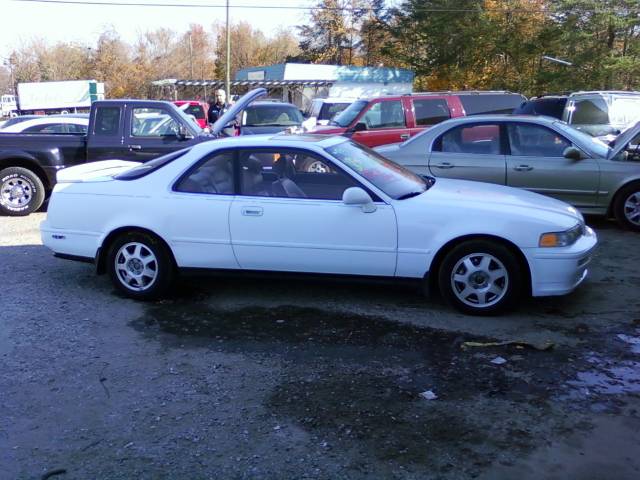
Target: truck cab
[139, 130]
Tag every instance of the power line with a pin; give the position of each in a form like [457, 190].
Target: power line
[298, 7]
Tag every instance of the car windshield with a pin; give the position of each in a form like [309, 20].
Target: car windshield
[598, 147]
[344, 118]
[329, 110]
[394, 180]
[272, 115]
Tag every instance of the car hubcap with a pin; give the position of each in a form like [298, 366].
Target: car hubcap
[136, 266]
[632, 208]
[16, 192]
[317, 167]
[479, 280]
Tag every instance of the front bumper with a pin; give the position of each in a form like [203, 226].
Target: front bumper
[558, 271]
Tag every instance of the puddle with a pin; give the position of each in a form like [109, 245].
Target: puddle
[354, 382]
[633, 342]
[609, 376]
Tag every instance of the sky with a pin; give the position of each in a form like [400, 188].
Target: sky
[22, 21]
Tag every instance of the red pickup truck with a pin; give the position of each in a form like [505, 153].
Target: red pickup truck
[393, 119]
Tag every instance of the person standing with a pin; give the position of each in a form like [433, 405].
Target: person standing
[218, 107]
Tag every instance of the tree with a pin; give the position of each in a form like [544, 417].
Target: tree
[332, 34]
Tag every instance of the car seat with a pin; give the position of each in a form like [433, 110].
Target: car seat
[252, 181]
[284, 186]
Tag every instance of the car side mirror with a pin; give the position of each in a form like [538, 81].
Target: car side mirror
[572, 153]
[183, 133]
[359, 127]
[357, 196]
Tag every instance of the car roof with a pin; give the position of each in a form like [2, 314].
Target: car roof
[266, 103]
[280, 140]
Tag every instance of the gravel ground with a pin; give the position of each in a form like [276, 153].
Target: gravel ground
[277, 379]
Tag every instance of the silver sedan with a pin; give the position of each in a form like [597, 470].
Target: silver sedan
[540, 154]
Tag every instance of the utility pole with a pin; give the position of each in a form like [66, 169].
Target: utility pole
[190, 55]
[228, 62]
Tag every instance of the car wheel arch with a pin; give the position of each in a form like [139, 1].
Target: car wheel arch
[101, 255]
[432, 279]
[28, 164]
[615, 196]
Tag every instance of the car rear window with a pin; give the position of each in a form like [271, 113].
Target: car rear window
[145, 169]
[477, 104]
[195, 110]
[272, 116]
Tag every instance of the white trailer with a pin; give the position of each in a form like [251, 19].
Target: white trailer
[58, 97]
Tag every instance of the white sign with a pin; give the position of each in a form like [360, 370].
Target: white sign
[258, 75]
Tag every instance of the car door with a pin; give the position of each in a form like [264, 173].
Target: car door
[105, 140]
[197, 209]
[536, 162]
[288, 219]
[384, 122]
[151, 131]
[471, 151]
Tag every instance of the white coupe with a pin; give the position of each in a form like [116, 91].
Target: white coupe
[245, 203]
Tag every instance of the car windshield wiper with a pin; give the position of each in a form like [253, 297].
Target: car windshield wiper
[410, 195]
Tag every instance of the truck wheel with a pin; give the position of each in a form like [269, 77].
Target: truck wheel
[627, 207]
[21, 191]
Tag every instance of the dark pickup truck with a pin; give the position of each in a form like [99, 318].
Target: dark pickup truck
[138, 130]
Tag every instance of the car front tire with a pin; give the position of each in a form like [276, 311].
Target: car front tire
[480, 277]
[140, 266]
[627, 207]
[21, 192]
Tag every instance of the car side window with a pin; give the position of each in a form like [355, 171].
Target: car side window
[385, 114]
[474, 138]
[211, 176]
[77, 129]
[51, 128]
[153, 122]
[593, 111]
[536, 141]
[107, 121]
[430, 111]
[291, 174]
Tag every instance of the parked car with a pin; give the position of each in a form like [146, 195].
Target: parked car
[196, 108]
[322, 110]
[392, 119]
[75, 124]
[269, 117]
[536, 153]
[138, 130]
[484, 245]
[18, 119]
[602, 114]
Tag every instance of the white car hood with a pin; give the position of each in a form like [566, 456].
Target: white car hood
[94, 171]
[464, 193]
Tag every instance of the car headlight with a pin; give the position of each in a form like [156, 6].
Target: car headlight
[562, 239]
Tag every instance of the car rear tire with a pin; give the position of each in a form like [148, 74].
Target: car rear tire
[21, 191]
[626, 207]
[140, 266]
[480, 277]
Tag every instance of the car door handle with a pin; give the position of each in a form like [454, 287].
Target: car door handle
[135, 147]
[404, 136]
[444, 165]
[523, 168]
[252, 211]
